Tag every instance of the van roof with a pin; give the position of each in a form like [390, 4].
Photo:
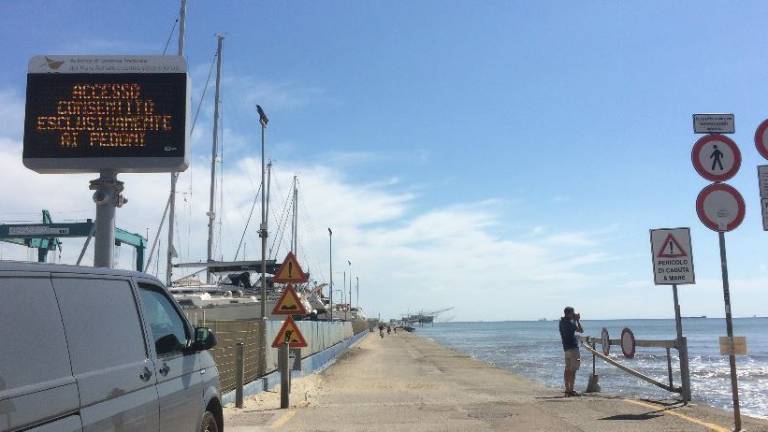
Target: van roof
[6, 265]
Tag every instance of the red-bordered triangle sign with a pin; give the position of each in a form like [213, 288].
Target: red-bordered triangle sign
[290, 271]
[671, 248]
[289, 303]
[290, 332]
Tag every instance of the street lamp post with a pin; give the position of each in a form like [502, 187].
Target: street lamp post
[330, 265]
[263, 119]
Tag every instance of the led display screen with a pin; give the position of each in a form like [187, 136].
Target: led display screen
[79, 122]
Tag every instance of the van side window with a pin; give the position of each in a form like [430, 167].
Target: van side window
[168, 329]
[102, 323]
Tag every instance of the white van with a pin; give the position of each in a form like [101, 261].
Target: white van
[94, 349]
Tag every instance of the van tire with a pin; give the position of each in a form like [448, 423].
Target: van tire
[209, 423]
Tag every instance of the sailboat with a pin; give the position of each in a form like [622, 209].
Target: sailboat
[230, 290]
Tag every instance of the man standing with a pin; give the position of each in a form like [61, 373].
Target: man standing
[569, 325]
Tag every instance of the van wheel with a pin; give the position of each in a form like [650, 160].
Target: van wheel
[209, 423]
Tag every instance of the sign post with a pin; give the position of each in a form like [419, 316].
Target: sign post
[108, 198]
[721, 208]
[289, 336]
[729, 329]
[672, 255]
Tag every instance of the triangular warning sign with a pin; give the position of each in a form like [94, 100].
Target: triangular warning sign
[290, 271]
[671, 248]
[289, 304]
[290, 332]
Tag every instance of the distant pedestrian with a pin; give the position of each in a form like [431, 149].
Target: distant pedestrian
[389, 330]
[570, 323]
[381, 330]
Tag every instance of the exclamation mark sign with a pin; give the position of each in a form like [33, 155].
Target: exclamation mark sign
[290, 269]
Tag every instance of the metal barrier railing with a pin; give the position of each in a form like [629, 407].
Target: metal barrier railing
[681, 345]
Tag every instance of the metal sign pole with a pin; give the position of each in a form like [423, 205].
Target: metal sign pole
[729, 327]
[284, 375]
[682, 349]
[107, 198]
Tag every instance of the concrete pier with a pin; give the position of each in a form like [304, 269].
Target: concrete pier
[407, 383]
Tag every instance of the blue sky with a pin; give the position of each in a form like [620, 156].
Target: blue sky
[513, 153]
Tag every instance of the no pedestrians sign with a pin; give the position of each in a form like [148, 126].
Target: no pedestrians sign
[672, 256]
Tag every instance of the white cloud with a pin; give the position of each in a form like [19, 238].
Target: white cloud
[405, 258]
[274, 96]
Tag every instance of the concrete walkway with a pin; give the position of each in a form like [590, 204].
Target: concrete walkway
[407, 383]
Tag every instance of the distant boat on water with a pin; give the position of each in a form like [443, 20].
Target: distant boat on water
[696, 317]
[542, 319]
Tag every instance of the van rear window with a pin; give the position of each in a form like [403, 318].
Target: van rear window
[33, 344]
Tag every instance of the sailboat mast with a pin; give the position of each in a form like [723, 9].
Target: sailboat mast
[295, 217]
[214, 154]
[174, 175]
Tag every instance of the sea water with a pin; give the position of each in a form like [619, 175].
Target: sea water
[534, 350]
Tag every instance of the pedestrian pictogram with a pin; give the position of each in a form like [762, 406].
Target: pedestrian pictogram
[671, 248]
[720, 207]
[672, 256]
[290, 333]
[289, 303]
[716, 157]
[290, 271]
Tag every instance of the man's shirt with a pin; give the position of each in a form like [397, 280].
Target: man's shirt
[568, 334]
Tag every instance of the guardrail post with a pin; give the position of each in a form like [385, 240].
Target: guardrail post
[593, 386]
[685, 371]
[239, 372]
[669, 367]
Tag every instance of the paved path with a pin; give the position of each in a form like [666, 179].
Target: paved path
[407, 383]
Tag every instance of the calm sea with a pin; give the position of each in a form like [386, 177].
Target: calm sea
[533, 349]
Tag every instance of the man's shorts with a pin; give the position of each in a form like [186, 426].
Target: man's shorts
[572, 359]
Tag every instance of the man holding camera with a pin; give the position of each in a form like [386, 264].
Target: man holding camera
[569, 325]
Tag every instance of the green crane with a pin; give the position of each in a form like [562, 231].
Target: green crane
[46, 236]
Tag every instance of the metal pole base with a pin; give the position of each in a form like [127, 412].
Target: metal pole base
[107, 196]
[594, 385]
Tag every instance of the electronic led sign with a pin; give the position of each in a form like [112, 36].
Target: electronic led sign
[97, 113]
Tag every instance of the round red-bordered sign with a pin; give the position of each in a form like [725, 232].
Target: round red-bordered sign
[720, 207]
[605, 340]
[716, 157]
[628, 343]
[761, 139]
